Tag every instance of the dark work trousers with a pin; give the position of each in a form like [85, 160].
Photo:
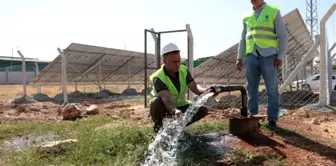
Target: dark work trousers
[158, 112]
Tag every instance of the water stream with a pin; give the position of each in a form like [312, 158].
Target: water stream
[164, 149]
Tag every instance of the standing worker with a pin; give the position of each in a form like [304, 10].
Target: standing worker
[170, 84]
[263, 46]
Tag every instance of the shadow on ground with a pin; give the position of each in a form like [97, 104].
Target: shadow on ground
[302, 142]
[259, 140]
[221, 151]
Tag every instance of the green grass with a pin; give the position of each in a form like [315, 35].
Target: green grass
[120, 145]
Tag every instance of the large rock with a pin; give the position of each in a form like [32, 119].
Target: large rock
[55, 147]
[71, 111]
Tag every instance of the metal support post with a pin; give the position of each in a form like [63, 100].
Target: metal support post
[304, 60]
[145, 65]
[333, 56]
[64, 77]
[157, 49]
[330, 75]
[99, 81]
[190, 56]
[38, 88]
[129, 75]
[24, 79]
[323, 58]
[7, 73]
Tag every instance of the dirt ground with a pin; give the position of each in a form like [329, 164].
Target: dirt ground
[311, 139]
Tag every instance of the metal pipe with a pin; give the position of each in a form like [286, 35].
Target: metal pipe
[332, 47]
[183, 30]
[323, 60]
[146, 30]
[333, 56]
[145, 67]
[24, 79]
[230, 88]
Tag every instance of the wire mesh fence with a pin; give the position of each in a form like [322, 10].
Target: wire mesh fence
[300, 92]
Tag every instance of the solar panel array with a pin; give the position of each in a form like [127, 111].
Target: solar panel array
[85, 62]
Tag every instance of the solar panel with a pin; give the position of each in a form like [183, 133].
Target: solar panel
[85, 62]
[221, 69]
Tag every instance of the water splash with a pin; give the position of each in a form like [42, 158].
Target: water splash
[166, 145]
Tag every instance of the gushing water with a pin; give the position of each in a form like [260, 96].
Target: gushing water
[166, 145]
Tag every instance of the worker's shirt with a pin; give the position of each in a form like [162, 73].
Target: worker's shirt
[159, 85]
[281, 33]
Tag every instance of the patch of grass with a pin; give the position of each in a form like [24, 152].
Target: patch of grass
[202, 128]
[119, 145]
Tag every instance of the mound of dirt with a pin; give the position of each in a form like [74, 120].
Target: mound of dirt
[41, 97]
[24, 100]
[115, 105]
[41, 112]
[130, 92]
[143, 91]
[105, 94]
[76, 94]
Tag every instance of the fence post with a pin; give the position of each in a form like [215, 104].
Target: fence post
[157, 50]
[64, 77]
[38, 88]
[330, 69]
[7, 74]
[24, 79]
[323, 57]
[190, 56]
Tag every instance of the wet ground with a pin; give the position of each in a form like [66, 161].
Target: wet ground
[305, 137]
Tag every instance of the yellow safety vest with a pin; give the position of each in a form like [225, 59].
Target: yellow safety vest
[179, 99]
[262, 31]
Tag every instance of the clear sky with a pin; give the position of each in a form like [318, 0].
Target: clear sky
[38, 27]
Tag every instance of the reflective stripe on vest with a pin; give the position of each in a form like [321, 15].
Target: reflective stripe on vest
[261, 36]
[261, 31]
[179, 99]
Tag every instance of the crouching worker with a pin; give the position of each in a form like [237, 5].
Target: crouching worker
[170, 86]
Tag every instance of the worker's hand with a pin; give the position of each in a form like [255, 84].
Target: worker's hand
[177, 115]
[239, 65]
[213, 90]
[278, 63]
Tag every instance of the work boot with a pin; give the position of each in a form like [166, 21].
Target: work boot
[252, 114]
[272, 126]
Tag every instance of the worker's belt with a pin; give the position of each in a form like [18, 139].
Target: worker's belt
[261, 36]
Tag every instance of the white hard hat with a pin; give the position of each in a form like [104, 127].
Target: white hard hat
[170, 47]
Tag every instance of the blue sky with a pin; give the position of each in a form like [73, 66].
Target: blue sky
[38, 27]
